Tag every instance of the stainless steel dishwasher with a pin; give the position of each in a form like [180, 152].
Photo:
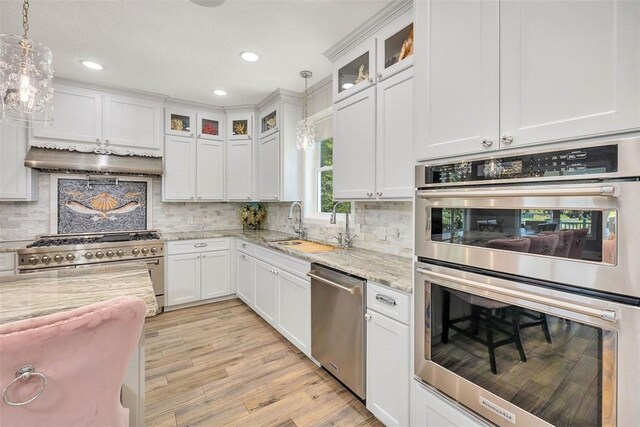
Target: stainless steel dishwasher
[337, 325]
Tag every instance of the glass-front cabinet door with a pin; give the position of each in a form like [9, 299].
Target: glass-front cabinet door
[180, 122]
[269, 120]
[239, 126]
[395, 47]
[210, 126]
[354, 71]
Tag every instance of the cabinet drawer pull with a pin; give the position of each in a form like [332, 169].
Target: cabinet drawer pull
[386, 300]
[200, 245]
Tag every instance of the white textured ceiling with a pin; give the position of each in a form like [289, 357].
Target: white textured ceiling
[180, 49]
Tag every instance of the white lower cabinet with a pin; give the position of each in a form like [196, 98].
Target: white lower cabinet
[277, 288]
[246, 278]
[215, 274]
[197, 270]
[294, 310]
[183, 279]
[429, 409]
[388, 373]
[266, 283]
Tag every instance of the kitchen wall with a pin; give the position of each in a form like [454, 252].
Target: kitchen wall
[380, 226]
[26, 220]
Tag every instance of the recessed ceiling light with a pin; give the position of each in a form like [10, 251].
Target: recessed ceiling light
[92, 65]
[249, 56]
[347, 85]
[220, 92]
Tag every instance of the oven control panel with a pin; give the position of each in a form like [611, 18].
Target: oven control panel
[573, 162]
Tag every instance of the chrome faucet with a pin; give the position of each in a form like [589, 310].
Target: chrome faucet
[300, 231]
[346, 238]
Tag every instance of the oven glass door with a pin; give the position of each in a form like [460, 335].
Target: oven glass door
[546, 363]
[578, 234]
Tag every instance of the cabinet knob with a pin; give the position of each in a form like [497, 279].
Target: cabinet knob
[367, 316]
[506, 139]
[379, 193]
[486, 142]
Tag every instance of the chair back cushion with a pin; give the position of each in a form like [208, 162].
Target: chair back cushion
[84, 353]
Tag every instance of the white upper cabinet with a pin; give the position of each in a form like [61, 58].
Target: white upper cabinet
[195, 161]
[278, 165]
[239, 170]
[210, 170]
[77, 116]
[180, 122]
[394, 137]
[269, 168]
[210, 126]
[354, 71]
[16, 181]
[85, 118]
[179, 178]
[394, 46]
[457, 77]
[568, 69]
[354, 146]
[269, 120]
[239, 126]
[500, 74]
[132, 122]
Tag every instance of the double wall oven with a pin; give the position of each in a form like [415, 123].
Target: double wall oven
[528, 284]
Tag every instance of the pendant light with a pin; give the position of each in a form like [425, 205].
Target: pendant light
[306, 132]
[26, 89]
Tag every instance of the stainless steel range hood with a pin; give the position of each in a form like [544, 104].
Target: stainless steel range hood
[53, 160]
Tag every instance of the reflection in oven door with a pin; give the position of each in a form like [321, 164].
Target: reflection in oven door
[511, 351]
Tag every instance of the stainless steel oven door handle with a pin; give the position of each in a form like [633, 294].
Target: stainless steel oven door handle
[610, 315]
[352, 290]
[603, 191]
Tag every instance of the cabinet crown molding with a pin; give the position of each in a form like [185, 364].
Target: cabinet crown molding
[280, 94]
[369, 28]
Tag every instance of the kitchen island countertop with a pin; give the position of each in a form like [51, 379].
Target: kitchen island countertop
[389, 270]
[30, 295]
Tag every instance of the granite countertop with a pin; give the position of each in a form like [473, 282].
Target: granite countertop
[13, 245]
[389, 270]
[23, 296]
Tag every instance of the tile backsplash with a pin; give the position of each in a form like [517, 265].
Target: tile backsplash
[26, 220]
[380, 226]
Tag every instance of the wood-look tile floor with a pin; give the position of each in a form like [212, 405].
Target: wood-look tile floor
[221, 364]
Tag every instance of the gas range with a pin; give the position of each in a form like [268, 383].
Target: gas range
[68, 250]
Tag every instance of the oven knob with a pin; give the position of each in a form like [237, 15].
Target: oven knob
[119, 252]
[99, 254]
[33, 260]
[110, 253]
[71, 257]
[154, 250]
[145, 250]
[135, 251]
[88, 255]
[46, 259]
[58, 258]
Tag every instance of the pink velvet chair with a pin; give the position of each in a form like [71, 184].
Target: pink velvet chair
[84, 355]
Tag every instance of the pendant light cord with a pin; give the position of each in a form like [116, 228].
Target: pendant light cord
[25, 17]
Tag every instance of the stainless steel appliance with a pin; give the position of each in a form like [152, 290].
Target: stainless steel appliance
[338, 325]
[57, 251]
[527, 287]
[565, 215]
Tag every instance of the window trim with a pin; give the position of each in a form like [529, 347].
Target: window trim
[311, 182]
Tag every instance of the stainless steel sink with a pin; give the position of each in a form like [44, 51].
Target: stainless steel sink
[289, 242]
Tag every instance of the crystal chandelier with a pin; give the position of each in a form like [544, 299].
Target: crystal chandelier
[306, 132]
[25, 77]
